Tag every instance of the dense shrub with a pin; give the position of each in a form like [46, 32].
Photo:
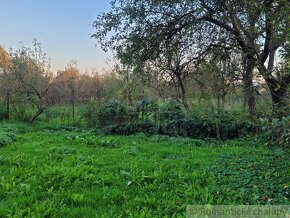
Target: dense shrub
[129, 128]
[115, 112]
[219, 125]
[178, 127]
[223, 124]
[90, 114]
[3, 115]
[148, 109]
[202, 128]
[101, 115]
[170, 110]
[167, 118]
[275, 131]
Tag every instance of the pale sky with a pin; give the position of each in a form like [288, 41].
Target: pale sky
[62, 26]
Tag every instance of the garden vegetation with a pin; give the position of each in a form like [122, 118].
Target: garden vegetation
[194, 111]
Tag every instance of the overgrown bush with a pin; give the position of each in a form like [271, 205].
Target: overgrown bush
[275, 131]
[219, 125]
[148, 109]
[167, 118]
[223, 124]
[170, 110]
[111, 113]
[115, 112]
[90, 114]
[3, 113]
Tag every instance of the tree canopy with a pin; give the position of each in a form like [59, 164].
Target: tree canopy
[138, 31]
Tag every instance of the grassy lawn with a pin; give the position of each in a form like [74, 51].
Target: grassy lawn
[61, 172]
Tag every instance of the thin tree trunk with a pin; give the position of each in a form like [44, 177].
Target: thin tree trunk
[73, 105]
[218, 101]
[183, 93]
[130, 99]
[250, 89]
[223, 98]
[245, 99]
[7, 104]
[37, 114]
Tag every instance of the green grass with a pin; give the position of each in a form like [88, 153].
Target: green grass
[56, 172]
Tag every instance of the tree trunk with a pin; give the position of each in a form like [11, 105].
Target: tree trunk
[37, 114]
[279, 97]
[142, 113]
[223, 99]
[73, 105]
[245, 99]
[7, 104]
[219, 101]
[183, 93]
[130, 99]
[277, 87]
[280, 107]
[250, 89]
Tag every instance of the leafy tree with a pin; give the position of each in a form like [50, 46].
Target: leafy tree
[4, 58]
[175, 66]
[66, 88]
[90, 87]
[221, 71]
[140, 30]
[5, 67]
[29, 78]
[128, 82]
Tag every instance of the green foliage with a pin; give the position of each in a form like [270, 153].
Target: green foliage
[148, 109]
[3, 113]
[74, 173]
[170, 110]
[168, 118]
[220, 125]
[21, 113]
[6, 138]
[90, 114]
[253, 177]
[130, 128]
[143, 34]
[275, 131]
[114, 112]
[27, 83]
[114, 117]
[61, 113]
[179, 140]
[223, 124]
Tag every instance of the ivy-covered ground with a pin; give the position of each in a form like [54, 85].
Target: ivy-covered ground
[68, 172]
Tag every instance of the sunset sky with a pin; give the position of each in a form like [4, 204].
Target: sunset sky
[62, 26]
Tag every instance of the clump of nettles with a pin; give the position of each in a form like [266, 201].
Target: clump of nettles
[6, 138]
